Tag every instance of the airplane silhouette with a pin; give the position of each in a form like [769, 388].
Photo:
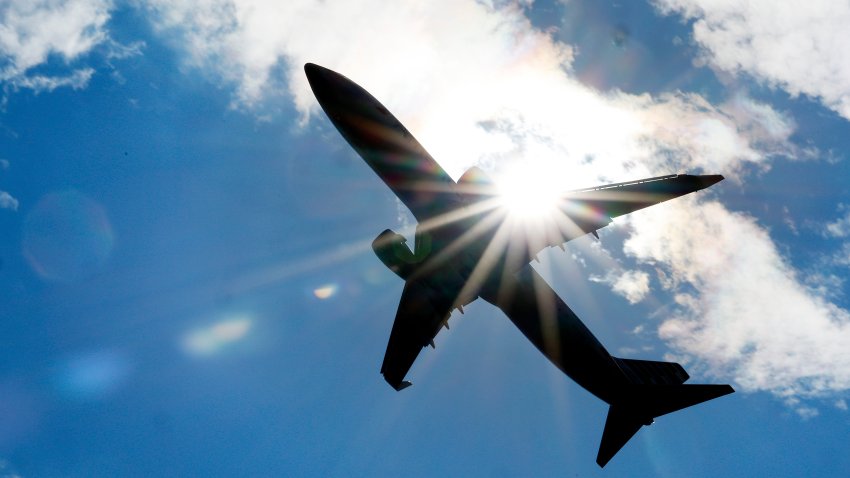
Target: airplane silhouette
[467, 245]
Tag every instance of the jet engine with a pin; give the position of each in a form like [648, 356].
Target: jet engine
[391, 248]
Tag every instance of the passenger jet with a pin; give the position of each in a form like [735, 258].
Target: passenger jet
[468, 246]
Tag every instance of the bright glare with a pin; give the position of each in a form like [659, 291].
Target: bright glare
[325, 292]
[528, 194]
[208, 340]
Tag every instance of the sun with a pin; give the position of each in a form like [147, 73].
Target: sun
[529, 195]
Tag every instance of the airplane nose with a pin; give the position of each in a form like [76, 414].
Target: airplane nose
[325, 83]
[311, 68]
[313, 72]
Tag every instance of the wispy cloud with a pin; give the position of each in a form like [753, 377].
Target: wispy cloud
[783, 44]
[842, 256]
[479, 85]
[78, 79]
[7, 470]
[7, 201]
[632, 285]
[841, 226]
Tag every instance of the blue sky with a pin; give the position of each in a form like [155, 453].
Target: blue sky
[188, 288]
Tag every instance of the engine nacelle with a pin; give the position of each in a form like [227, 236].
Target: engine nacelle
[391, 248]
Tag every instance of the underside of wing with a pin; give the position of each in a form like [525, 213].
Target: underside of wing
[585, 211]
[421, 313]
[617, 199]
[580, 212]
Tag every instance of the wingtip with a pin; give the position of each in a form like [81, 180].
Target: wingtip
[396, 382]
[710, 179]
[603, 460]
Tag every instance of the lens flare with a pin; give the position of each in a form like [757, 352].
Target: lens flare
[212, 339]
[67, 237]
[325, 292]
[92, 375]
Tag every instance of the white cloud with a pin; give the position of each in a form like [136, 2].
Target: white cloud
[841, 226]
[632, 285]
[7, 201]
[33, 30]
[479, 85]
[800, 48]
[687, 133]
[748, 316]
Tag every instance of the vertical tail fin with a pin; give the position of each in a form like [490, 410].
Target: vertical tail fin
[656, 390]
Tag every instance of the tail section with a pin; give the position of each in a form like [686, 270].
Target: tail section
[656, 389]
[620, 427]
[647, 372]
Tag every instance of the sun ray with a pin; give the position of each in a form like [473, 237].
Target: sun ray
[466, 238]
[488, 261]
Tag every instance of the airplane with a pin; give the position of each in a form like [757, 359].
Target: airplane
[468, 246]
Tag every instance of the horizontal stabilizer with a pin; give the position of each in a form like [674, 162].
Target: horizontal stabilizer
[660, 400]
[620, 427]
[638, 405]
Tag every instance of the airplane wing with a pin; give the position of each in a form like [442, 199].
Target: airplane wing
[614, 200]
[585, 211]
[384, 143]
[421, 313]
